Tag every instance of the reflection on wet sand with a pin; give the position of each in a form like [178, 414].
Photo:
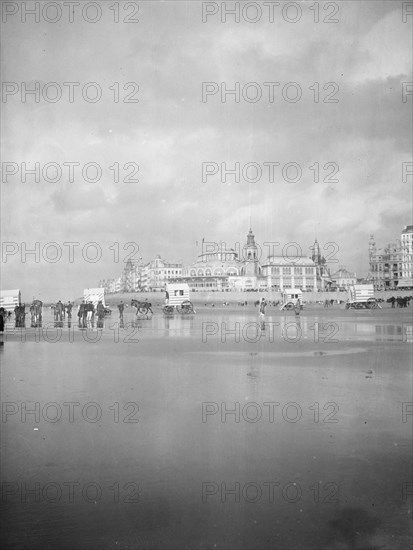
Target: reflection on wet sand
[330, 470]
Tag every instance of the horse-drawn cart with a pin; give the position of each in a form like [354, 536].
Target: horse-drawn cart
[362, 297]
[177, 299]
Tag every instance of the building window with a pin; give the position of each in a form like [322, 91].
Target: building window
[286, 270]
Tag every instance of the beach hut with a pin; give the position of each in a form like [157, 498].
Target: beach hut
[9, 299]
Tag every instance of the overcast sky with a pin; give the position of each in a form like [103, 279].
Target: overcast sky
[170, 132]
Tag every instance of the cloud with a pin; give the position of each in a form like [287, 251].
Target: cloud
[170, 132]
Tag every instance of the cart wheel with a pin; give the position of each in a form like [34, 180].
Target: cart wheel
[187, 307]
[372, 304]
[168, 310]
[290, 305]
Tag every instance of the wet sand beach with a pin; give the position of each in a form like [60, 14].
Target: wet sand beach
[174, 432]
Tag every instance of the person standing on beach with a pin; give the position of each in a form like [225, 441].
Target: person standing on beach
[262, 306]
[297, 308]
[2, 315]
[121, 307]
[100, 310]
[69, 309]
[59, 311]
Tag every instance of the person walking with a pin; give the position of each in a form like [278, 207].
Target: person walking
[69, 308]
[80, 312]
[100, 310]
[17, 315]
[262, 306]
[2, 314]
[297, 308]
[59, 311]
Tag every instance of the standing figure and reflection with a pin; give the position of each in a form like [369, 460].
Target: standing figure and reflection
[36, 309]
[262, 306]
[69, 307]
[90, 312]
[59, 308]
[20, 315]
[81, 315]
[100, 311]
[3, 317]
[121, 308]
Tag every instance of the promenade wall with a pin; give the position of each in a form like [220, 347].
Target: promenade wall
[237, 296]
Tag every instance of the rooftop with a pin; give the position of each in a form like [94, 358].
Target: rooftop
[281, 260]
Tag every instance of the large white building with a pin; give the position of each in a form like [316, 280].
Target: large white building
[343, 279]
[223, 269]
[391, 266]
[406, 240]
[281, 273]
[156, 273]
[111, 286]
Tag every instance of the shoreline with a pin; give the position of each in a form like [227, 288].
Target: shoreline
[233, 298]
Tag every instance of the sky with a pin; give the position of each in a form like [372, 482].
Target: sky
[345, 111]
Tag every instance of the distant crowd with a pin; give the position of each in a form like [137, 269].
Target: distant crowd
[400, 301]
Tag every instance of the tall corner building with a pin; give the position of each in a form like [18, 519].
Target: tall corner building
[406, 240]
[391, 267]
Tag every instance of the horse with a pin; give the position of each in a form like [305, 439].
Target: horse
[36, 313]
[141, 307]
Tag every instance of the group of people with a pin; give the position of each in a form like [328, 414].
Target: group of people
[88, 312]
[262, 304]
[4, 315]
[400, 301]
[60, 310]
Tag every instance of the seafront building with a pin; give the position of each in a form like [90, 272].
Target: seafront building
[391, 266]
[222, 268]
[343, 279]
[157, 273]
[143, 277]
[226, 269]
[282, 273]
[407, 256]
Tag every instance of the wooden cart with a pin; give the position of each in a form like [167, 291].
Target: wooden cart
[178, 299]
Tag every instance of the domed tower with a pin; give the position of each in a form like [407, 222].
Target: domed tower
[250, 255]
[323, 272]
[128, 277]
[316, 256]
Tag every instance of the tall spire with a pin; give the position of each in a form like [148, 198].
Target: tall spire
[372, 246]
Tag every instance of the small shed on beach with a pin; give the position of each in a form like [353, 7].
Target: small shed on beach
[9, 299]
